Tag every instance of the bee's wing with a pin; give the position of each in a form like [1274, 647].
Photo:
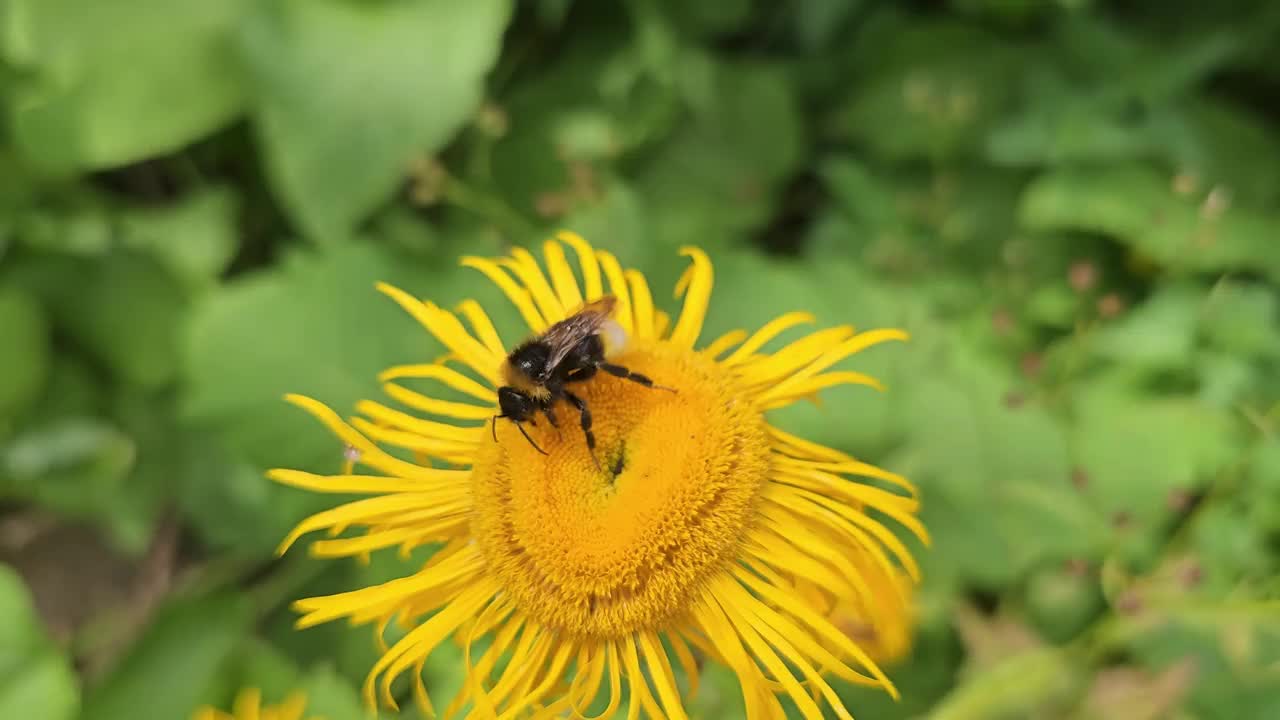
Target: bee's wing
[562, 336]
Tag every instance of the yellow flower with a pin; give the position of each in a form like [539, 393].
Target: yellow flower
[248, 706]
[593, 580]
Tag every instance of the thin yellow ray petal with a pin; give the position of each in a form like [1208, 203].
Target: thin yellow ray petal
[838, 523]
[661, 322]
[720, 631]
[722, 344]
[370, 454]
[664, 680]
[247, 704]
[591, 284]
[641, 304]
[450, 331]
[769, 331]
[431, 447]
[848, 465]
[387, 594]
[446, 375]
[293, 706]
[366, 510]
[636, 682]
[587, 678]
[687, 662]
[553, 674]
[817, 624]
[525, 266]
[788, 647]
[369, 484]
[208, 713]
[420, 641]
[767, 657]
[895, 506]
[348, 547]
[801, 499]
[618, 286]
[696, 299]
[860, 493]
[798, 447]
[615, 683]
[446, 408]
[518, 296]
[772, 624]
[477, 674]
[482, 326]
[384, 415]
[525, 660]
[790, 390]
[562, 279]
[852, 346]
[771, 368]
[804, 548]
[802, 564]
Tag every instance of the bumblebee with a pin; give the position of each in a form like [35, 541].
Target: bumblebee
[540, 370]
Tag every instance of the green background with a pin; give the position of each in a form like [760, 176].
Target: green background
[1073, 205]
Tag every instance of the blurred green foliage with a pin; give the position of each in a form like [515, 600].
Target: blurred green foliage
[1073, 205]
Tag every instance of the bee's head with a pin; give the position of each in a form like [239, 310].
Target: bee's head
[515, 404]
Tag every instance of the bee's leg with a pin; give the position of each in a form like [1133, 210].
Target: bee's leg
[585, 414]
[625, 374]
[520, 427]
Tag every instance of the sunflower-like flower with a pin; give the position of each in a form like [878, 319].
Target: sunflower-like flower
[248, 706]
[695, 526]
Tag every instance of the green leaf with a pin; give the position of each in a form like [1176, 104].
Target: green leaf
[332, 697]
[24, 364]
[36, 681]
[932, 90]
[1159, 333]
[1014, 688]
[170, 670]
[1197, 230]
[106, 84]
[128, 312]
[1242, 320]
[194, 239]
[347, 94]
[718, 176]
[1136, 449]
[319, 328]
[76, 466]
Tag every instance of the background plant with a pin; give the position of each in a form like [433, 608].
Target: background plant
[1074, 206]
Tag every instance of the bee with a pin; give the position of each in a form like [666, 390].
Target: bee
[540, 370]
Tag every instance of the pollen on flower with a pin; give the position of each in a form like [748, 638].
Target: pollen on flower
[588, 553]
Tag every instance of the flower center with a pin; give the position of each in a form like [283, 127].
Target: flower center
[607, 550]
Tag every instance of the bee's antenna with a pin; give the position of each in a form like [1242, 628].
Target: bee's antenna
[531, 442]
[493, 425]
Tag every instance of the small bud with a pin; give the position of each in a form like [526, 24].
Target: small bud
[1083, 275]
[1185, 183]
[1179, 499]
[1110, 305]
[1076, 567]
[1121, 520]
[1215, 203]
[1002, 321]
[1129, 602]
[1079, 478]
[1014, 399]
[1190, 574]
[1032, 364]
